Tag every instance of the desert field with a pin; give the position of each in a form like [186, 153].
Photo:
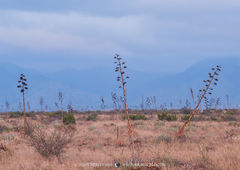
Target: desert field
[211, 141]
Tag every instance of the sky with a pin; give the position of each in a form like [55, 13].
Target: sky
[151, 35]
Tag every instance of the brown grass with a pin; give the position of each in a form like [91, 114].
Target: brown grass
[206, 145]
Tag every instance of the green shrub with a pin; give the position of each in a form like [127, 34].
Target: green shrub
[195, 118]
[137, 117]
[99, 112]
[18, 114]
[69, 119]
[162, 116]
[15, 114]
[185, 117]
[171, 117]
[91, 118]
[57, 113]
[166, 116]
[229, 112]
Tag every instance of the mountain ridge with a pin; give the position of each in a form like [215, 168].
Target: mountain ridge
[83, 88]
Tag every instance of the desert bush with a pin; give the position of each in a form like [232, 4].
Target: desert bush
[15, 114]
[69, 119]
[235, 124]
[171, 117]
[166, 116]
[162, 116]
[29, 129]
[137, 117]
[228, 117]
[185, 117]
[3, 128]
[19, 114]
[229, 112]
[214, 118]
[50, 144]
[163, 138]
[56, 114]
[91, 117]
[195, 118]
[186, 110]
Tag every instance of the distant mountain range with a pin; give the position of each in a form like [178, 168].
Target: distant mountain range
[83, 88]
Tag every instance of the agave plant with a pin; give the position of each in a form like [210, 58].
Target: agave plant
[22, 85]
[122, 78]
[203, 93]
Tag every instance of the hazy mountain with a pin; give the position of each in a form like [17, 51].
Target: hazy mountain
[176, 87]
[83, 88]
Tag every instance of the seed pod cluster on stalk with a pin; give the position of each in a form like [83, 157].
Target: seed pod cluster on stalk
[22, 83]
[23, 87]
[122, 78]
[120, 67]
[203, 93]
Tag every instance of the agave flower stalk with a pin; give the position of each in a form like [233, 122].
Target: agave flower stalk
[23, 86]
[208, 90]
[120, 67]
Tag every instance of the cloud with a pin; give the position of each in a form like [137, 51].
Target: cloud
[150, 31]
[73, 31]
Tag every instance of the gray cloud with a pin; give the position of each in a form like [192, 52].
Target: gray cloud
[152, 33]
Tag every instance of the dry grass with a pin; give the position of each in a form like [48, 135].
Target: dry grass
[206, 145]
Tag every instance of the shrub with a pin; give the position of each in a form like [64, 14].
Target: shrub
[3, 128]
[91, 118]
[228, 118]
[69, 119]
[57, 114]
[229, 112]
[195, 118]
[51, 144]
[137, 117]
[214, 118]
[163, 138]
[29, 129]
[18, 114]
[171, 117]
[185, 117]
[162, 116]
[186, 110]
[166, 116]
[15, 114]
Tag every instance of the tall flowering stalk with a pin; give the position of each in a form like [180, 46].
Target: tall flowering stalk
[122, 78]
[23, 87]
[203, 93]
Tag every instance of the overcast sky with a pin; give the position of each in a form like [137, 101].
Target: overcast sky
[152, 35]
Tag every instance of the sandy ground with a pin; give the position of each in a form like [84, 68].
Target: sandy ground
[206, 145]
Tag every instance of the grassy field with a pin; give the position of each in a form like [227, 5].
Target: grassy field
[211, 141]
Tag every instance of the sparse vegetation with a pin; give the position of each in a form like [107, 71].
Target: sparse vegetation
[69, 119]
[164, 138]
[91, 117]
[135, 117]
[51, 133]
[50, 144]
[167, 116]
